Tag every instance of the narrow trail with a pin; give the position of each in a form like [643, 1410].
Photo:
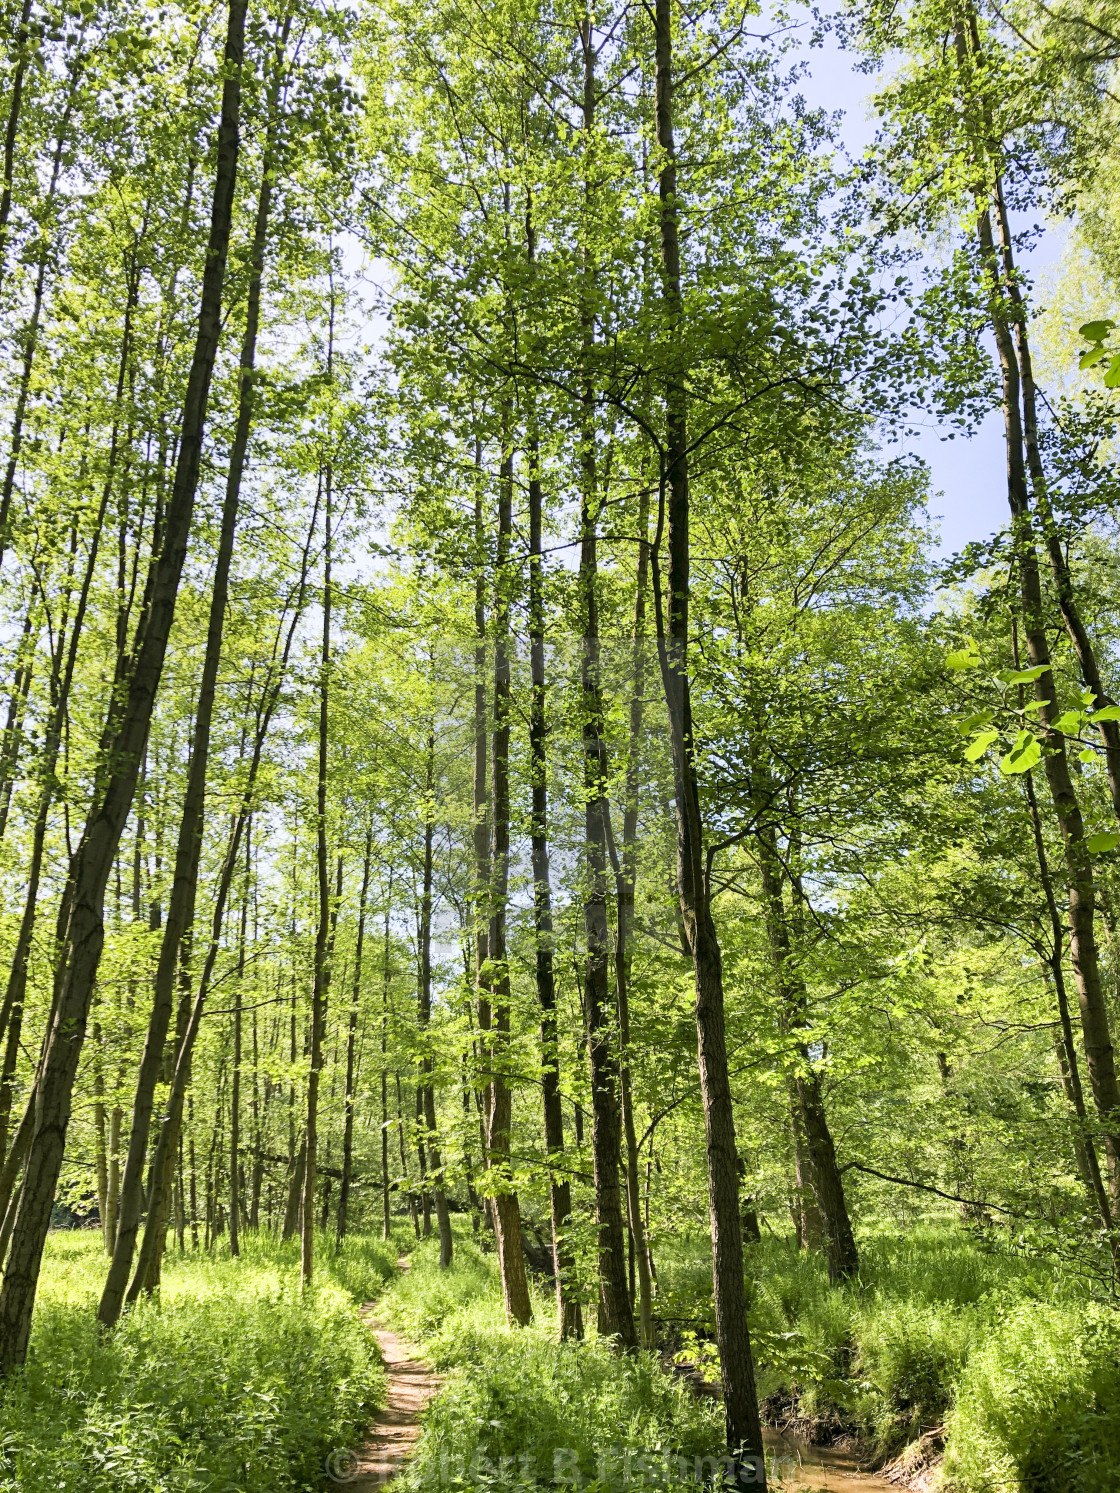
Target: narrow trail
[794, 1465]
[395, 1428]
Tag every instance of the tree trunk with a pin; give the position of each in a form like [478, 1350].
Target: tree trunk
[824, 1174]
[810, 1231]
[323, 940]
[20, 58]
[235, 1072]
[1086, 1150]
[740, 1396]
[569, 1317]
[31, 332]
[435, 1162]
[111, 803]
[188, 852]
[507, 1210]
[386, 1229]
[62, 681]
[351, 1048]
[1084, 953]
[162, 1167]
[616, 1317]
[625, 886]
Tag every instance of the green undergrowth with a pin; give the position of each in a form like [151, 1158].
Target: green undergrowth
[521, 1409]
[232, 1382]
[941, 1328]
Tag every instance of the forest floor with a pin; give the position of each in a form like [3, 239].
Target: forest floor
[236, 1379]
[397, 1426]
[1008, 1361]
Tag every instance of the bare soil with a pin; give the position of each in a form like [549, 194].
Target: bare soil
[395, 1428]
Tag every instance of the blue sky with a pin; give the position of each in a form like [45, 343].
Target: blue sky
[968, 492]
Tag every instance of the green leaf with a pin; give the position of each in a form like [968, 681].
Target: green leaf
[1096, 331]
[1088, 756]
[979, 745]
[1109, 713]
[1022, 756]
[1068, 723]
[1103, 840]
[1022, 676]
[1112, 377]
[967, 657]
[1091, 358]
[970, 723]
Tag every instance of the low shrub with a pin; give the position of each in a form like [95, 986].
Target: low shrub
[233, 1382]
[1038, 1405]
[521, 1408]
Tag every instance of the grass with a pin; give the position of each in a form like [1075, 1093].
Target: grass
[1013, 1357]
[520, 1409]
[233, 1382]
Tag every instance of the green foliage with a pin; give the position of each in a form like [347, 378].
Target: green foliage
[896, 1350]
[519, 1406]
[232, 1382]
[1038, 1404]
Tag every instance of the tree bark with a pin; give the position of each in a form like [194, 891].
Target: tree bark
[162, 1168]
[824, 1176]
[435, 1162]
[569, 1318]
[351, 1049]
[386, 1229]
[21, 58]
[323, 941]
[1099, 1055]
[507, 1210]
[616, 1317]
[742, 1425]
[188, 852]
[113, 796]
[625, 885]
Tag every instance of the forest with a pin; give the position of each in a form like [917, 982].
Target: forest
[509, 813]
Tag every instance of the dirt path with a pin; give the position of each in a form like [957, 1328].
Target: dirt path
[395, 1428]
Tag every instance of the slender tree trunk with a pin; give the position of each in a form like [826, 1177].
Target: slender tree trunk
[351, 1047]
[568, 1314]
[443, 1215]
[413, 1211]
[1099, 1055]
[17, 707]
[824, 1174]
[740, 1396]
[625, 885]
[112, 799]
[99, 1133]
[1070, 1066]
[323, 951]
[235, 1072]
[162, 1167]
[31, 332]
[810, 1229]
[425, 1196]
[1063, 581]
[386, 1229]
[21, 56]
[507, 1210]
[480, 823]
[616, 1318]
[181, 904]
[62, 679]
